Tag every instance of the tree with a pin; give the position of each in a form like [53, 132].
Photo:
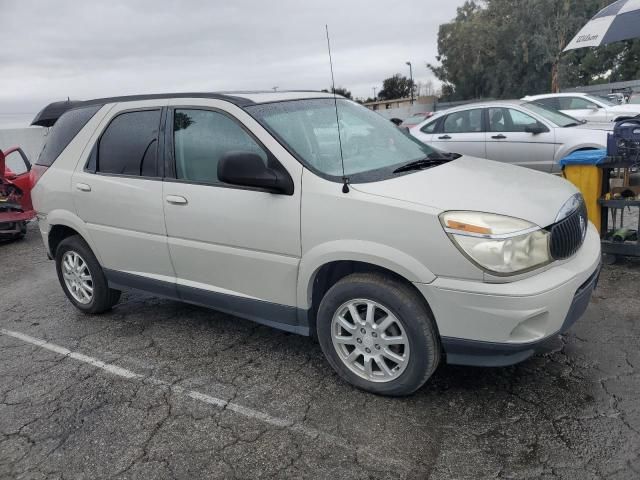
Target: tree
[339, 91]
[394, 87]
[511, 48]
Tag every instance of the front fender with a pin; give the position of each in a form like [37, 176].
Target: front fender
[359, 251]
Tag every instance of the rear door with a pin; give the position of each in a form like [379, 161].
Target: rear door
[507, 140]
[117, 191]
[461, 132]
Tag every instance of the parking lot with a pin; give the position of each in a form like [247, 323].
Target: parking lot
[159, 389]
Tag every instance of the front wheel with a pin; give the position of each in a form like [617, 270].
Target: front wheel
[378, 334]
[82, 277]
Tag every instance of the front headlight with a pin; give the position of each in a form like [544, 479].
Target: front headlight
[498, 244]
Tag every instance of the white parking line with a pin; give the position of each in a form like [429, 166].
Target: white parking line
[208, 399]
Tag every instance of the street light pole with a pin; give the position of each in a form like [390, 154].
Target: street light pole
[374, 93]
[411, 76]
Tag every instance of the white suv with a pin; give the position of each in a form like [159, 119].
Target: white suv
[583, 106]
[407, 257]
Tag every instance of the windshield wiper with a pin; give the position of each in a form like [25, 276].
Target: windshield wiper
[574, 124]
[432, 160]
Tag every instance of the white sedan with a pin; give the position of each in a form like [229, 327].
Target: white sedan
[515, 132]
[586, 107]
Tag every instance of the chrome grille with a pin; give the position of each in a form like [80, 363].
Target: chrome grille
[568, 234]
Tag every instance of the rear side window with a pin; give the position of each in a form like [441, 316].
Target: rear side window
[576, 103]
[63, 131]
[552, 103]
[129, 145]
[465, 121]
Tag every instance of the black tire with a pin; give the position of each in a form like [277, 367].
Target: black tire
[412, 311]
[103, 297]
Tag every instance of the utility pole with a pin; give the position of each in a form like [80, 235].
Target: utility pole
[374, 93]
[275, 89]
[411, 77]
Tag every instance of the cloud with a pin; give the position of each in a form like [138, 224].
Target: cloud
[88, 49]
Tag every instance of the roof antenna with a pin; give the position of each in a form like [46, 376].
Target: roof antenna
[345, 180]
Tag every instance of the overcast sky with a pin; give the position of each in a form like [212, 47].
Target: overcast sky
[86, 49]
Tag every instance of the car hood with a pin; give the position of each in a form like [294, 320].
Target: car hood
[627, 108]
[470, 183]
[606, 126]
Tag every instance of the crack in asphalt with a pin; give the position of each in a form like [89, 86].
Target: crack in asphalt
[229, 405]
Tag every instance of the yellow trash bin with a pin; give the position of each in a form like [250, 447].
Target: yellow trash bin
[588, 179]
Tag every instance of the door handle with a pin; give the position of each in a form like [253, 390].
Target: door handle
[83, 187]
[176, 200]
[444, 137]
[499, 137]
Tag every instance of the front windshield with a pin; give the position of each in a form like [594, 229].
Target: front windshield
[554, 116]
[372, 147]
[601, 100]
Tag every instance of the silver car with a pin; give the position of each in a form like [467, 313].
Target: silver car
[243, 203]
[516, 132]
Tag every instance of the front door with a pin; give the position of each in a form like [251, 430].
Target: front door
[236, 249]
[117, 191]
[507, 140]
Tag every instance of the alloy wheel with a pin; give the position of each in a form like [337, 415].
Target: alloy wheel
[370, 340]
[77, 277]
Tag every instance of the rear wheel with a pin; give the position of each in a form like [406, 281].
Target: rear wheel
[378, 334]
[82, 277]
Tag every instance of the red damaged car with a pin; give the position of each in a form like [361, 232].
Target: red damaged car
[15, 194]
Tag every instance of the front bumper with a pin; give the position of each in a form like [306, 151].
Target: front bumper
[488, 354]
[502, 324]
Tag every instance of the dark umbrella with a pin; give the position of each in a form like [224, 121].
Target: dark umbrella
[619, 21]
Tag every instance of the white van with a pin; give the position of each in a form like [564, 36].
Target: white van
[397, 256]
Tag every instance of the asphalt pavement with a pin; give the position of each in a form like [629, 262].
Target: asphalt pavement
[159, 389]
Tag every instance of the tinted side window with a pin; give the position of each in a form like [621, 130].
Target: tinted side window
[63, 131]
[466, 121]
[552, 103]
[129, 145]
[202, 138]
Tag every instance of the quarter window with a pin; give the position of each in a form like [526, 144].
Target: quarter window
[466, 121]
[129, 145]
[202, 138]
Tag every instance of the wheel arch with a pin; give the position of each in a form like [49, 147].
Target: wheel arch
[63, 224]
[315, 278]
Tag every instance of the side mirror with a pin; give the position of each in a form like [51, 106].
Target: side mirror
[248, 169]
[536, 129]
